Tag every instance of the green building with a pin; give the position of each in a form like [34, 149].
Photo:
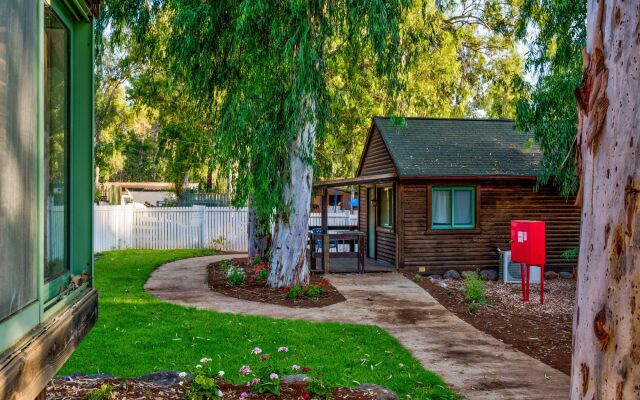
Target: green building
[47, 302]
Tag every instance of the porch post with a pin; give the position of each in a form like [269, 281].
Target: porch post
[324, 208]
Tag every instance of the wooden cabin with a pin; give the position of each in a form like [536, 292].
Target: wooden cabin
[440, 194]
[47, 300]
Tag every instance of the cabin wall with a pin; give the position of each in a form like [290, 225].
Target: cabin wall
[376, 159]
[497, 203]
[385, 238]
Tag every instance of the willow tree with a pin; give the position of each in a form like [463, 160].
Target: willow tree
[261, 66]
[606, 357]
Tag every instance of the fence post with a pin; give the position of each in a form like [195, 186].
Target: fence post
[202, 218]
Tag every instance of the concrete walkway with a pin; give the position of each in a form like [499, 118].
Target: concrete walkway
[470, 361]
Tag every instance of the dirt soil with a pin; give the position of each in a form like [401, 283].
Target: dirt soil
[132, 389]
[541, 331]
[258, 291]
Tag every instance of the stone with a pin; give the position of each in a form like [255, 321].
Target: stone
[550, 275]
[164, 378]
[489, 274]
[452, 274]
[98, 376]
[295, 378]
[381, 393]
[435, 277]
[566, 275]
[71, 377]
[471, 274]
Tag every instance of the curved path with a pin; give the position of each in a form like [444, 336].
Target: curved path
[470, 361]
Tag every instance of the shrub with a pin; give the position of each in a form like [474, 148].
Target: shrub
[316, 388]
[104, 393]
[225, 266]
[312, 290]
[262, 274]
[294, 291]
[474, 289]
[235, 276]
[256, 261]
[570, 254]
[203, 387]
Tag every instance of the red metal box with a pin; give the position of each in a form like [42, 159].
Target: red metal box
[528, 244]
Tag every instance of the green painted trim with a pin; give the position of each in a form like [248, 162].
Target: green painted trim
[452, 189]
[19, 324]
[78, 9]
[61, 302]
[40, 201]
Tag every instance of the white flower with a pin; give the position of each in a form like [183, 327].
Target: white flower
[256, 350]
[198, 366]
[273, 376]
[219, 393]
[255, 381]
[283, 349]
[245, 370]
[182, 374]
[220, 373]
[180, 383]
[295, 367]
[205, 360]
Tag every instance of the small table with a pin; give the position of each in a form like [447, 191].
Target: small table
[325, 238]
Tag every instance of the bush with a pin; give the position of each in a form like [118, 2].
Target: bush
[235, 276]
[474, 290]
[570, 254]
[313, 290]
[104, 393]
[262, 274]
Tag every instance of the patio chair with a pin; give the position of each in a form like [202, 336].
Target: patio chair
[333, 244]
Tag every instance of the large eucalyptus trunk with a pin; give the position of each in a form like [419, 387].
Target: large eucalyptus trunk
[289, 263]
[606, 357]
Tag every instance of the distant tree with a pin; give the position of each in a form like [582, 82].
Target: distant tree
[556, 32]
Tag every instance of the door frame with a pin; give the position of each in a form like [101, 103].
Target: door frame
[371, 222]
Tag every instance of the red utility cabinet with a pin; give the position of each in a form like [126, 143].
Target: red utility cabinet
[528, 247]
[528, 244]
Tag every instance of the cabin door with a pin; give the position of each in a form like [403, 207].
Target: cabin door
[371, 222]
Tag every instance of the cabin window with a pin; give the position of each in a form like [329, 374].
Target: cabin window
[18, 100]
[453, 207]
[56, 138]
[385, 207]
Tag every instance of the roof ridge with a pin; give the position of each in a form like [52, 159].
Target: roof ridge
[450, 119]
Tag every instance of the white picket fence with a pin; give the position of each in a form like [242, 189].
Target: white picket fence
[134, 227]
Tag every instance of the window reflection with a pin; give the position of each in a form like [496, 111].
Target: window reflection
[56, 133]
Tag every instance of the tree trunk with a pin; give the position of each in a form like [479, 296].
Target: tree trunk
[606, 357]
[258, 240]
[289, 263]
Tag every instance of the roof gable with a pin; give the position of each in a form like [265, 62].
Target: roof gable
[430, 147]
[375, 157]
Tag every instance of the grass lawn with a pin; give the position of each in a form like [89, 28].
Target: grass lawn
[137, 334]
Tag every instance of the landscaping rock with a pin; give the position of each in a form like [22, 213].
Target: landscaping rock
[97, 376]
[550, 275]
[295, 378]
[452, 274]
[381, 393]
[472, 274]
[435, 277]
[164, 378]
[566, 275]
[72, 377]
[489, 274]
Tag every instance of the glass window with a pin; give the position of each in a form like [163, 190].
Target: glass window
[56, 134]
[385, 207]
[18, 127]
[453, 207]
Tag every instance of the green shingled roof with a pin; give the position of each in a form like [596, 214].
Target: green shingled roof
[459, 147]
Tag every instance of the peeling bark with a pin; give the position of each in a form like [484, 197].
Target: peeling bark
[289, 264]
[258, 240]
[606, 358]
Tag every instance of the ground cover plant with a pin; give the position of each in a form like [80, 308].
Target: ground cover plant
[138, 334]
[247, 280]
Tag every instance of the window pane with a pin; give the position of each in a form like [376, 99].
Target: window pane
[441, 200]
[56, 131]
[18, 110]
[463, 207]
[385, 207]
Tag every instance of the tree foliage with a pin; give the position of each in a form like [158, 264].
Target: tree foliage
[556, 30]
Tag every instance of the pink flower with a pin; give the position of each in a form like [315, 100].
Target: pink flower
[244, 395]
[256, 350]
[273, 376]
[255, 381]
[245, 370]
[283, 349]
[295, 367]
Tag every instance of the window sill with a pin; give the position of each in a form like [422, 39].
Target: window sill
[469, 231]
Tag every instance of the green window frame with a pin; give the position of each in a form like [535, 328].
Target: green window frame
[385, 206]
[450, 205]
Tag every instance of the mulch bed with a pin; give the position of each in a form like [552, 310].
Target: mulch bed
[258, 291]
[541, 331]
[133, 389]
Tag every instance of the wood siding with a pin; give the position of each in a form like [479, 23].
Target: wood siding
[497, 203]
[376, 159]
[385, 247]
